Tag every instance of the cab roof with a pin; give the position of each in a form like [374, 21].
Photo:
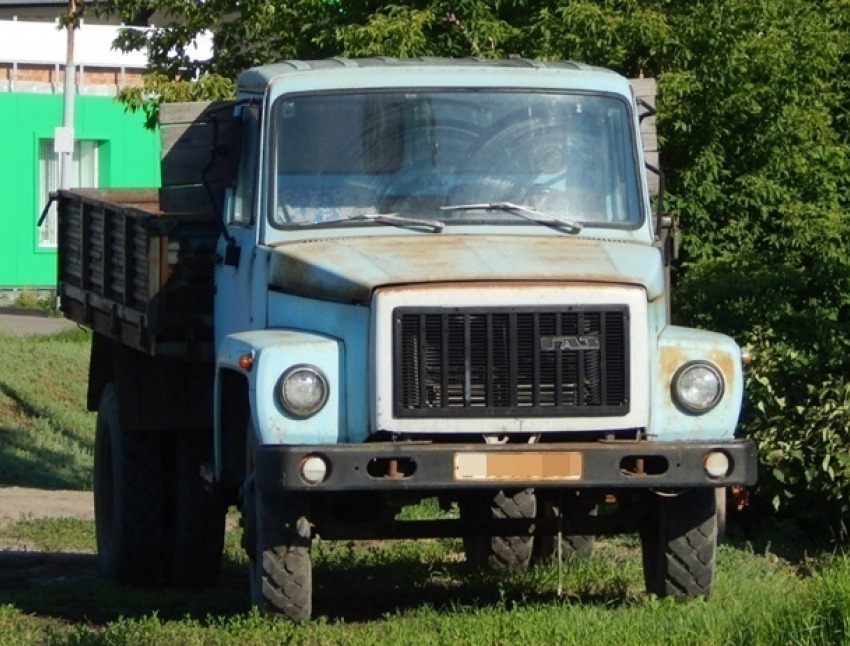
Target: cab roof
[257, 79]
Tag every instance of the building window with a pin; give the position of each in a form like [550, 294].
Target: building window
[83, 175]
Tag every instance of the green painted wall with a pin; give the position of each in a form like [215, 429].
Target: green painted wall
[128, 156]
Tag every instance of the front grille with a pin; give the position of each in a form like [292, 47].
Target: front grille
[506, 362]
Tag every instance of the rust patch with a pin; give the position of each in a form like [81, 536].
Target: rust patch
[670, 358]
[352, 268]
[724, 361]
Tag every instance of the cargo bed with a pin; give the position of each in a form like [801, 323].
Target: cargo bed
[135, 274]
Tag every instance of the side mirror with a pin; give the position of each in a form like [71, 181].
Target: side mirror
[667, 227]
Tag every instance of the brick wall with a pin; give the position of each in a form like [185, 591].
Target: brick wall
[25, 74]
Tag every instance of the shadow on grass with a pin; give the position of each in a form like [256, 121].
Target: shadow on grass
[32, 411]
[23, 465]
[67, 588]
[366, 593]
[762, 533]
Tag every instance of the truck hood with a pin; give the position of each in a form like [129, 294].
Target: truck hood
[350, 269]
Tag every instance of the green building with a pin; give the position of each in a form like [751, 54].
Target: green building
[111, 147]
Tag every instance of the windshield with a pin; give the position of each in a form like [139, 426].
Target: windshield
[454, 157]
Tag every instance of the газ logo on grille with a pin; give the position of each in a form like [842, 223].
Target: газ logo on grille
[570, 343]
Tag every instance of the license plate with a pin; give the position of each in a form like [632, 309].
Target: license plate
[524, 466]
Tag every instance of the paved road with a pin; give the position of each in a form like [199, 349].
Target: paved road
[18, 324]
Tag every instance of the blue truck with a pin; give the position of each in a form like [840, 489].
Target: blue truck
[366, 283]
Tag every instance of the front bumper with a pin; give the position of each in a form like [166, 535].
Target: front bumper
[425, 466]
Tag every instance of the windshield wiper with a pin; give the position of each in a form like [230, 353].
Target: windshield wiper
[384, 218]
[527, 212]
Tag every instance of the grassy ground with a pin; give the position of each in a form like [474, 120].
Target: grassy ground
[414, 592]
[46, 435]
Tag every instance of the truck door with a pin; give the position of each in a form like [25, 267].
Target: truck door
[237, 307]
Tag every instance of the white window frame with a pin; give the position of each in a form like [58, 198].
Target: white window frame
[85, 171]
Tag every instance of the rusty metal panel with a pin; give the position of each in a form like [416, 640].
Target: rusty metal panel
[678, 346]
[350, 269]
[436, 467]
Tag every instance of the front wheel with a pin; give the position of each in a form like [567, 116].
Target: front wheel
[679, 543]
[280, 566]
[572, 546]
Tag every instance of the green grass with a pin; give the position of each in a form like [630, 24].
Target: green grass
[46, 435]
[421, 593]
[52, 534]
[366, 593]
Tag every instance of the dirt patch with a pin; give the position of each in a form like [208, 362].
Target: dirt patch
[18, 502]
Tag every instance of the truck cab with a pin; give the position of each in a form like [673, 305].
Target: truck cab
[451, 284]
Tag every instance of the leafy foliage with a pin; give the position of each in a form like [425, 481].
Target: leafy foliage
[755, 133]
[759, 165]
[159, 88]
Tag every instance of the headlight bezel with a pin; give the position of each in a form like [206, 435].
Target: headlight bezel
[294, 409]
[677, 389]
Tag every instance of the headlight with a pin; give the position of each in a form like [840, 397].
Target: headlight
[303, 390]
[698, 386]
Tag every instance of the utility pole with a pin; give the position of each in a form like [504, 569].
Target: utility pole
[64, 137]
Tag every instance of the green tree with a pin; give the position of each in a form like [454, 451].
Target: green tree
[754, 102]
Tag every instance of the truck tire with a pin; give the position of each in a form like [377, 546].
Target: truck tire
[281, 570]
[500, 553]
[572, 545]
[679, 544]
[128, 498]
[195, 540]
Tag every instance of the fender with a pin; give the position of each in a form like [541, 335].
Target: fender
[262, 357]
[676, 347]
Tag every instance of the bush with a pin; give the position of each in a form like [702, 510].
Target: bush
[33, 299]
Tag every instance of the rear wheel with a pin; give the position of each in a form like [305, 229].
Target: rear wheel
[679, 543]
[500, 553]
[195, 539]
[128, 497]
[572, 545]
